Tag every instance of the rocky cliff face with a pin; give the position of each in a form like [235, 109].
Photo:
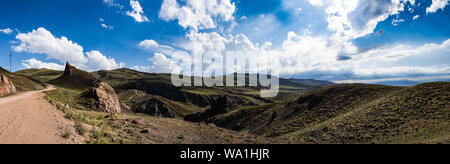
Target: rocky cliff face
[6, 86]
[103, 98]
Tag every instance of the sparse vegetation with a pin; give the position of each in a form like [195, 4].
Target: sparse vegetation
[353, 113]
[67, 134]
[81, 130]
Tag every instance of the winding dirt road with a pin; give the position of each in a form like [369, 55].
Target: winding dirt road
[27, 118]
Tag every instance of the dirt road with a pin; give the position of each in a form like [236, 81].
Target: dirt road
[27, 118]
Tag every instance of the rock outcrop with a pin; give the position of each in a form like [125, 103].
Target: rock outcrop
[103, 98]
[6, 86]
[154, 107]
[76, 79]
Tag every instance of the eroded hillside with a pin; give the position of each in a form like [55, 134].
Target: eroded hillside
[353, 114]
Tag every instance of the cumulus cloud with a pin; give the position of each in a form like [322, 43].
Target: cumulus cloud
[162, 64]
[210, 45]
[7, 31]
[356, 18]
[316, 57]
[321, 57]
[97, 61]
[42, 41]
[34, 63]
[197, 14]
[149, 44]
[137, 13]
[437, 5]
[348, 20]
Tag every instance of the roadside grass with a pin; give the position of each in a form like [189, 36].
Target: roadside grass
[69, 102]
[67, 134]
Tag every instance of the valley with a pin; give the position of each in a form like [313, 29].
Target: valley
[127, 106]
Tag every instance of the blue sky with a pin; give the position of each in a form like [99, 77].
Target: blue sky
[336, 40]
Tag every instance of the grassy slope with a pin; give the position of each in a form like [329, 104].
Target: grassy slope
[44, 75]
[353, 114]
[21, 82]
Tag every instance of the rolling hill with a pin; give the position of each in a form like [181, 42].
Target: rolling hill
[306, 111]
[21, 82]
[191, 100]
[353, 113]
[43, 75]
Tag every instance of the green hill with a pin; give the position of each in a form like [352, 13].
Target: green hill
[353, 113]
[21, 82]
[44, 75]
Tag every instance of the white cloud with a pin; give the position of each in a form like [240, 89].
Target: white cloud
[97, 61]
[162, 64]
[107, 26]
[137, 13]
[197, 14]
[315, 57]
[149, 44]
[357, 18]
[396, 22]
[437, 5]
[416, 17]
[41, 41]
[111, 3]
[318, 3]
[7, 31]
[34, 63]
[152, 45]
[141, 68]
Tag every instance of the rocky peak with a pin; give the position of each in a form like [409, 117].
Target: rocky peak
[76, 78]
[69, 70]
[6, 86]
